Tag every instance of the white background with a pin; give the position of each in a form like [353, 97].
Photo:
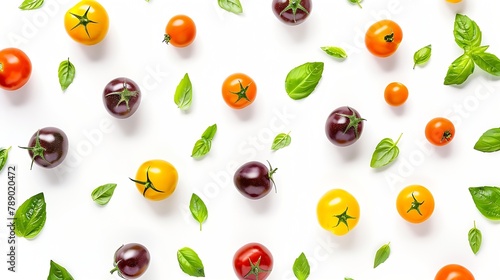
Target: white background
[83, 237]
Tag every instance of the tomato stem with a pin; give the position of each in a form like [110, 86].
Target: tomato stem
[415, 205]
[125, 95]
[115, 268]
[270, 175]
[147, 184]
[446, 136]
[242, 94]
[343, 218]
[389, 37]
[37, 150]
[83, 20]
[166, 39]
[255, 269]
[354, 122]
[294, 5]
[1, 67]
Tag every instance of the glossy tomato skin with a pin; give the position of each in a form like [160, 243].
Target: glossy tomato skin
[254, 180]
[454, 272]
[395, 94]
[344, 126]
[87, 22]
[415, 203]
[15, 69]
[440, 131]
[292, 12]
[239, 90]
[338, 211]
[121, 97]
[253, 261]
[180, 31]
[156, 179]
[131, 260]
[382, 38]
[48, 147]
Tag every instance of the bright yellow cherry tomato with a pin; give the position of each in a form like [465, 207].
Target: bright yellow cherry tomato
[454, 1]
[338, 211]
[87, 22]
[415, 203]
[156, 179]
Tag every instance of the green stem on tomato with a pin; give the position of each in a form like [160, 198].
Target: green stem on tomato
[147, 184]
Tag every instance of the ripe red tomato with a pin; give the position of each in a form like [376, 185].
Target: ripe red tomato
[454, 272]
[15, 68]
[180, 31]
[439, 131]
[253, 261]
[383, 38]
[395, 94]
[239, 90]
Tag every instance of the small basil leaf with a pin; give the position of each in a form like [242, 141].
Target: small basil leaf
[488, 62]
[301, 268]
[210, 132]
[102, 194]
[4, 155]
[347, 278]
[66, 73]
[57, 272]
[357, 2]
[233, 6]
[475, 239]
[489, 142]
[385, 152]
[466, 31]
[198, 209]
[204, 144]
[382, 255]
[280, 141]
[487, 201]
[190, 263]
[30, 216]
[335, 51]
[459, 70]
[422, 55]
[303, 79]
[31, 4]
[184, 93]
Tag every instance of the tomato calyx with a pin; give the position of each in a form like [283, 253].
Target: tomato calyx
[447, 136]
[1, 67]
[38, 150]
[343, 218]
[255, 269]
[389, 38]
[242, 94]
[270, 175]
[294, 5]
[166, 38]
[84, 20]
[415, 205]
[147, 184]
[115, 268]
[125, 95]
[354, 121]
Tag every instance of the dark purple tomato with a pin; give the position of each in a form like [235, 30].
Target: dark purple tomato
[48, 147]
[292, 12]
[131, 261]
[254, 180]
[121, 97]
[344, 126]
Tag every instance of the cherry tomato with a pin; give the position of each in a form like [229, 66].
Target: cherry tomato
[338, 211]
[454, 1]
[254, 180]
[454, 272]
[395, 94]
[156, 179]
[344, 126]
[439, 131]
[253, 261]
[131, 261]
[292, 12]
[121, 97]
[87, 22]
[239, 90]
[15, 69]
[48, 147]
[383, 38]
[415, 203]
[180, 31]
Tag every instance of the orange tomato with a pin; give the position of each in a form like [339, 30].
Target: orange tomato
[239, 90]
[454, 1]
[180, 31]
[382, 38]
[415, 204]
[439, 131]
[395, 94]
[454, 272]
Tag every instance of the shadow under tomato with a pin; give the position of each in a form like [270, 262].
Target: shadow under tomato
[445, 151]
[185, 52]
[129, 125]
[245, 114]
[348, 153]
[22, 95]
[398, 110]
[165, 206]
[389, 63]
[262, 206]
[98, 51]
[423, 229]
[298, 33]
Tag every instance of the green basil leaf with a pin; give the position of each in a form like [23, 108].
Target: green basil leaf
[467, 32]
[488, 62]
[210, 132]
[303, 79]
[357, 2]
[347, 278]
[204, 144]
[233, 6]
[478, 50]
[334, 51]
[102, 194]
[475, 239]
[489, 142]
[31, 4]
[190, 263]
[487, 201]
[280, 141]
[66, 73]
[30, 216]
[385, 152]
[459, 70]
[382, 255]
[198, 209]
[184, 93]
[422, 55]
[4, 155]
[301, 268]
[57, 272]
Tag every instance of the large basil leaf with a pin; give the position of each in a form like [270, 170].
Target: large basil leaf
[487, 200]
[303, 79]
[30, 217]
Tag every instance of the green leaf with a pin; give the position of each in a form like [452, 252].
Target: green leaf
[184, 93]
[233, 6]
[301, 268]
[30, 216]
[204, 144]
[66, 73]
[459, 70]
[357, 2]
[382, 255]
[488, 62]
[385, 152]
[487, 201]
[422, 55]
[4, 155]
[478, 50]
[190, 263]
[303, 79]
[31, 4]
[347, 278]
[198, 209]
[466, 31]
[210, 132]
[102, 194]
[335, 52]
[489, 142]
[475, 239]
[57, 272]
[280, 141]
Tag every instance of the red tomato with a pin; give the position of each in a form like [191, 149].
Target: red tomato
[454, 272]
[15, 68]
[253, 261]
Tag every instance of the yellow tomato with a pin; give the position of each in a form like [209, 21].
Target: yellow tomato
[87, 22]
[156, 179]
[338, 211]
[415, 203]
[454, 1]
